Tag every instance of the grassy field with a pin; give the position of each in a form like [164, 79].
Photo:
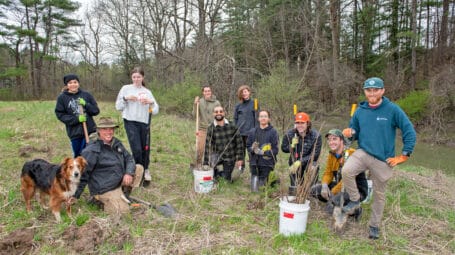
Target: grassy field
[419, 216]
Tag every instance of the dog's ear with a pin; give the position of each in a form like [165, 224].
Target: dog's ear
[82, 162]
[66, 162]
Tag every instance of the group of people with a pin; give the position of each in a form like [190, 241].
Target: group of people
[222, 145]
[111, 170]
[373, 125]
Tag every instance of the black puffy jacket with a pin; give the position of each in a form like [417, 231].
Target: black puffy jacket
[304, 148]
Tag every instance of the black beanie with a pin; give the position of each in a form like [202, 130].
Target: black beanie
[69, 77]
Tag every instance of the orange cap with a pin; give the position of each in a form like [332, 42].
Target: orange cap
[302, 117]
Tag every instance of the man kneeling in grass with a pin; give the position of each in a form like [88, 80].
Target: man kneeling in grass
[110, 170]
[329, 188]
[223, 145]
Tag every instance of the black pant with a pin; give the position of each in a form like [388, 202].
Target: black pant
[261, 171]
[244, 139]
[137, 133]
[228, 167]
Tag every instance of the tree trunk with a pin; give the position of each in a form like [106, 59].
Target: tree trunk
[413, 44]
[394, 29]
[442, 39]
[335, 24]
[283, 19]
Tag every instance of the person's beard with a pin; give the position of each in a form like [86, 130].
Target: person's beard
[219, 117]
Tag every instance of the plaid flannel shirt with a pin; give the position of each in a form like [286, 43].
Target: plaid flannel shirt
[223, 138]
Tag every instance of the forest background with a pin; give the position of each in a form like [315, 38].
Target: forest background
[313, 53]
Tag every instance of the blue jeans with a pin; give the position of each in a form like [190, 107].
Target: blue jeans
[78, 144]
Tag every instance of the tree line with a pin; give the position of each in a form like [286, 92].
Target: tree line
[317, 52]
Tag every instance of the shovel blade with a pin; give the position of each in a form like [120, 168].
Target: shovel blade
[340, 219]
[167, 210]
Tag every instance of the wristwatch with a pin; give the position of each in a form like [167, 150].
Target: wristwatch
[406, 153]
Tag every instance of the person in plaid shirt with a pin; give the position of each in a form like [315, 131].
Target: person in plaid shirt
[223, 145]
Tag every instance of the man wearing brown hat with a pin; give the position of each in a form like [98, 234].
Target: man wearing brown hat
[110, 170]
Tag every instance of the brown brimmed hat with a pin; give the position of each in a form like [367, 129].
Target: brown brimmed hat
[106, 122]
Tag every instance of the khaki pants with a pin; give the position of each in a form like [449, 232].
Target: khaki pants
[113, 201]
[380, 173]
[200, 144]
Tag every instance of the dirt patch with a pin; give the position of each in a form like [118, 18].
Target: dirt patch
[87, 238]
[26, 151]
[255, 205]
[20, 241]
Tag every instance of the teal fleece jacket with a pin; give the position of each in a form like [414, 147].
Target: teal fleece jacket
[375, 129]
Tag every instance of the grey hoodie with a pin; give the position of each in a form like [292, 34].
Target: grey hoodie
[206, 111]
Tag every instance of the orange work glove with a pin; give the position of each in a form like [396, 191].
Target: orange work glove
[348, 132]
[397, 160]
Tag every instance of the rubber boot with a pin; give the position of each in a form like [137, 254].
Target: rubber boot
[262, 181]
[254, 183]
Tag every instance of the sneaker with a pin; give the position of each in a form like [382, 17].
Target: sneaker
[351, 206]
[374, 233]
[147, 176]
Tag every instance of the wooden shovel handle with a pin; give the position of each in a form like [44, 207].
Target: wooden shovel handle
[84, 124]
[197, 117]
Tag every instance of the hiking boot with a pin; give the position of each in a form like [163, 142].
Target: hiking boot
[374, 233]
[351, 206]
[147, 176]
[357, 214]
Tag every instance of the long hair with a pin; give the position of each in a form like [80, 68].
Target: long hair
[239, 91]
[140, 71]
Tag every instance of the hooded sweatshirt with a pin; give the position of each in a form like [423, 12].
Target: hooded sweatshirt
[67, 111]
[268, 142]
[206, 107]
[375, 129]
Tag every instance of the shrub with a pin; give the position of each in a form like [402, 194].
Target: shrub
[415, 104]
[178, 98]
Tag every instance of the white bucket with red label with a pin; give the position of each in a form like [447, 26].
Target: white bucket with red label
[293, 217]
[203, 181]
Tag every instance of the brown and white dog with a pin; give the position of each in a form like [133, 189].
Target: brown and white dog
[58, 181]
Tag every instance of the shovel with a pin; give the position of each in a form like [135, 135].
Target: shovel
[338, 215]
[147, 147]
[165, 209]
[194, 165]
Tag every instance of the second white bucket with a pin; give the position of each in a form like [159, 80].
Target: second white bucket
[203, 181]
[293, 217]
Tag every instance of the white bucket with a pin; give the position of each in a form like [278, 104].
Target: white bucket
[203, 181]
[293, 217]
